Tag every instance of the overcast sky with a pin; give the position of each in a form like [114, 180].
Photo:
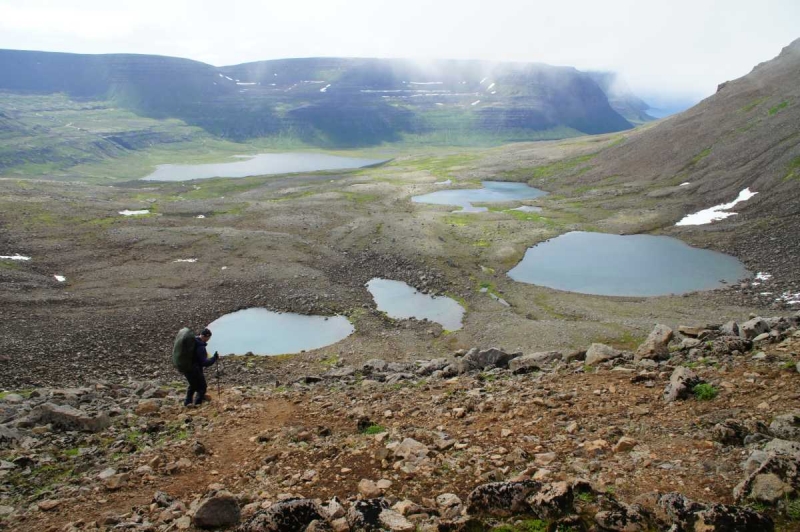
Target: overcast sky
[678, 47]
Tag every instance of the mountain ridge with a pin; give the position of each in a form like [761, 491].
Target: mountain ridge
[335, 102]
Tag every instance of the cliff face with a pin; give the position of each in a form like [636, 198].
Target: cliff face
[330, 101]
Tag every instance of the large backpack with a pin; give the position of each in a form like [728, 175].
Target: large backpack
[183, 350]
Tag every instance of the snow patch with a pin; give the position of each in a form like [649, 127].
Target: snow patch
[790, 298]
[201, 216]
[717, 212]
[761, 276]
[476, 102]
[686, 184]
[229, 79]
[60, 278]
[448, 182]
[134, 213]
[325, 88]
[481, 83]
[16, 256]
[185, 260]
[494, 92]
[490, 87]
[426, 82]
[246, 83]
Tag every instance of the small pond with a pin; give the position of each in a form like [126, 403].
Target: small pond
[492, 192]
[401, 301]
[633, 265]
[264, 332]
[262, 164]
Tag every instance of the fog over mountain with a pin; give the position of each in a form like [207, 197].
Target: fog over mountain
[682, 51]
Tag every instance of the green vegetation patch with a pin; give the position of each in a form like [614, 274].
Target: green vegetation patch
[549, 171]
[374, 429]
[459, 220]
[752, 105]
[778, 108]
[705, 392]
[793, 169]
[700, 156]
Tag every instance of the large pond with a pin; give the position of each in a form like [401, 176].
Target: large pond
[263, 332]
[262, 164]
[401, 301]
[492, 192]
[634, 265]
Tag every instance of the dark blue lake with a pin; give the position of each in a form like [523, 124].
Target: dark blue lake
[631, 265]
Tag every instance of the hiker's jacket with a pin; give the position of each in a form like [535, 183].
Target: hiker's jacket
[201, 355]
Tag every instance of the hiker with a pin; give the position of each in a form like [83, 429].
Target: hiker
[197, 381]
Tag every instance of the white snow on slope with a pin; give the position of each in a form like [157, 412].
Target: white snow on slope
[325, 88]
[134, 213]
[16, 256]
[718, 212]
[60, 278]
[476, 102]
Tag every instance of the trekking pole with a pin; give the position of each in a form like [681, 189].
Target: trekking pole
[219, 394]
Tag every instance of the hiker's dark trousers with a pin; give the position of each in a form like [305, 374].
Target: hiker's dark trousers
[197, 385]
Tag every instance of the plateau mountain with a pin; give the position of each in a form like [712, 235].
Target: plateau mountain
[335, 102]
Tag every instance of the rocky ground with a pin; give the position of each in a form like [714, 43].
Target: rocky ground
[694, 429]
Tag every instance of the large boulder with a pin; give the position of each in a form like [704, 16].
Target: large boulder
[777, 477]
[685, 514]
[63, 417]
[502, 499]
[786, 426]
[286, 516]
[533, 362]
[656, 346]
[476, 360]
[598, 353]
[218, 511]
[752, 328]
[681, 383]
[366, 515]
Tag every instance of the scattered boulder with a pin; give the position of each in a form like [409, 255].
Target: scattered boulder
[752, 328]
[476, 360]
[220, 510]
[685, 514]
[502, 499]
[784, 447]
[369, 489]
[729, 432]
[777, 477]
[598, 353]
[728, 345]
[533, 362]
[292, 515]
[366, 514]
[730, 328]
[411, 449]
[681, 383]
[553, 501]
[786, 426]
[395, 522]
[63, 417]
[656, 346]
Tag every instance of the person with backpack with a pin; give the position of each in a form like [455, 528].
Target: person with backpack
[191, 362]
